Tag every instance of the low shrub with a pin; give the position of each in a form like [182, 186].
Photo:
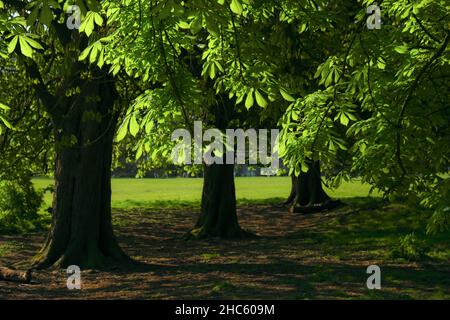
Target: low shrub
[19, 206]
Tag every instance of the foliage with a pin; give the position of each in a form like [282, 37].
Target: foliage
[19, 206]
[361, 101]
[410, 247]
[25, 137]
[381, 99]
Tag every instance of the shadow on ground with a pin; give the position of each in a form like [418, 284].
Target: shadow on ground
[320, 256]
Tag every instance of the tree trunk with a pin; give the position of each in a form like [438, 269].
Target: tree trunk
[218, 217]
[309, 194]
[290, 200]
[81, 232]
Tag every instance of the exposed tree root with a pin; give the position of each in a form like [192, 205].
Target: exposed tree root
[315, 208]
[231, 234]
[12, 275]
[92, 257]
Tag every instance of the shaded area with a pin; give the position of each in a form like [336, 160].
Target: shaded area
[319, 256]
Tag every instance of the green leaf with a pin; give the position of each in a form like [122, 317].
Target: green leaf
[401, 49]
[87, 26]
[12, 45]
[4, 106]
[236, 7]
[122, 132]
[46, 16]
[212, 71]
[34, 44]
[329, 78]
[212, 26]
[33, 16]
[25, 47]
[98, 19]
[260, 99]
[6, 122]
[96, 48]
[101, 59]
[183, 25]
[84, 54]
[381, 63]
[196, 24]
[134, 126]
[249, 101]
[286, 96]
[343, 119]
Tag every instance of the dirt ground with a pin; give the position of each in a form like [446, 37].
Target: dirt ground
[294, 257]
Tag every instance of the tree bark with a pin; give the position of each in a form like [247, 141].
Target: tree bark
[218, 217]
[290, 200]
[309, 194]
[81, 232]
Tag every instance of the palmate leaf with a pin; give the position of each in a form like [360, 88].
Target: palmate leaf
[25, 48]
[89, 22]
[249, 101]
[236, 7]
[27, 44]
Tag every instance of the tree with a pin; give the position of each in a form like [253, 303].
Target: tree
[385, 88]
[181, 87]
[25, 137]
[81, 101]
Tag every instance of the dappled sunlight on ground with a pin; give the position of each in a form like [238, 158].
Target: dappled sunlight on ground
[296, 256]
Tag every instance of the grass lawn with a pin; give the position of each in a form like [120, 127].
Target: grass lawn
[128, 193]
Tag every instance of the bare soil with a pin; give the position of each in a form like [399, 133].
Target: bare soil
[294, 257]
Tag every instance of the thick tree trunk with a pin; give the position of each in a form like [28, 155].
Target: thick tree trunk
[81, 232]
[218, 217]
[290, 200]
[309, 194]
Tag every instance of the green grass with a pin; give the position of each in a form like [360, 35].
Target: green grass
[128, 193]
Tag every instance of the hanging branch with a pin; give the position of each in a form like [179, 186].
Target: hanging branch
[172, 80]
[330, 105]
[409, 97]
[368, 83]
[424, 29]
[238, 47]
